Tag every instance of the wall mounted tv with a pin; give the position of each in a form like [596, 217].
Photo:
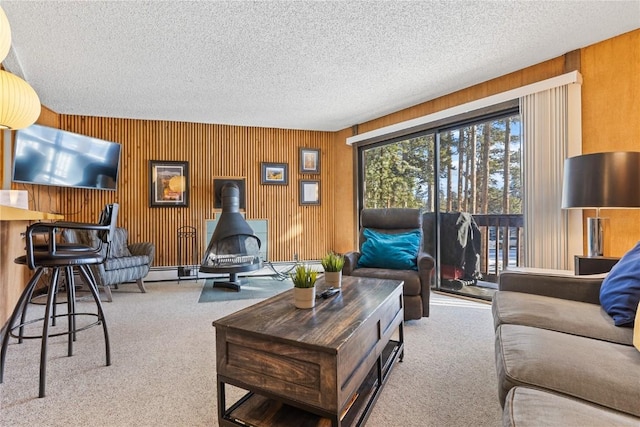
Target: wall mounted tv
[48, 156]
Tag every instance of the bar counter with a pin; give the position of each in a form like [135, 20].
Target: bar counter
[14, 277]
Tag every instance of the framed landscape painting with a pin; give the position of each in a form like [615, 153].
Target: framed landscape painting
[168, 183]
[274, 173]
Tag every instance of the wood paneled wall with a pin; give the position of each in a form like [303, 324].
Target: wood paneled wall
[611, 120]
[345, 233]
[212, 151]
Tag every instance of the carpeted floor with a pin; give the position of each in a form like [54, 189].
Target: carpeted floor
[250, 288]
[163, 370]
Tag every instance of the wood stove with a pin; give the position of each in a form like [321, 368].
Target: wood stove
[233, 248]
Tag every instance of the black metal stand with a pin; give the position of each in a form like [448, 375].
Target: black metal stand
[233, 283]
[187, 252]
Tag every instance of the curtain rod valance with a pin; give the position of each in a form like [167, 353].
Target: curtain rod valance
[561, 80]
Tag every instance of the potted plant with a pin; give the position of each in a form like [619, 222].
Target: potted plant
[332, 264]
[304, 286]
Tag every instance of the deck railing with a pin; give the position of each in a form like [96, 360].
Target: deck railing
[501, 242]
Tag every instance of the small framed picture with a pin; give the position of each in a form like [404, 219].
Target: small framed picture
[274, 173]
[309, 160]
[168, 184]
[309, 192]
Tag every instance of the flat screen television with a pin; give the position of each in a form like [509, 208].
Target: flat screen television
[48, 156]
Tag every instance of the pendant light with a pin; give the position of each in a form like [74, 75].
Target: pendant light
[5, 35]
[19, 103]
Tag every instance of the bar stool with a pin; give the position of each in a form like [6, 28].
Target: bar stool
[58, 257]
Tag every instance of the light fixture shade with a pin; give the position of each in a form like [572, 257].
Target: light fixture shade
[602, 180]
[19, 103]
[5, 35]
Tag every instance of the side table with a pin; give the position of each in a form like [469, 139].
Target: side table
[593, 265]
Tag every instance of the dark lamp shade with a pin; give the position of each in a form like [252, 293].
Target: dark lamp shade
[602, 180]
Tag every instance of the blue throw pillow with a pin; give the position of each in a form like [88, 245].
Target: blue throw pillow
[394, 251]
[620, 290]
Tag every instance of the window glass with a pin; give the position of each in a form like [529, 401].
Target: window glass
[479, 174]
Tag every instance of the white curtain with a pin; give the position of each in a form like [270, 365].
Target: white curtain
[550, 133]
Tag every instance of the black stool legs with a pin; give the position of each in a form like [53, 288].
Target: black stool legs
[21, 308]
[88, 277]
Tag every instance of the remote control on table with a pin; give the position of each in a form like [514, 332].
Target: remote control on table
[327, 293]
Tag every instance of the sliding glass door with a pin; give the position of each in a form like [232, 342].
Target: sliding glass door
[471, 206]
[480, 216]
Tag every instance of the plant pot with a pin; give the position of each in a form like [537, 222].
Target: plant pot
[333, 278]
[304, 297]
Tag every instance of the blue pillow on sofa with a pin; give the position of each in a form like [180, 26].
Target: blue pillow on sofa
[395, 251]
[620, 290]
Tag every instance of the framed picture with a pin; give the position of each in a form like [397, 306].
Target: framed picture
[168, 183]
[219, 182]
[309, 160]
[274, 173]
[309, 192]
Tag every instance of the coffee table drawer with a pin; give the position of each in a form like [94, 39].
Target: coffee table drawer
[279, 369]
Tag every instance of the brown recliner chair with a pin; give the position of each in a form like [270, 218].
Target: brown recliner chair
[417, 283]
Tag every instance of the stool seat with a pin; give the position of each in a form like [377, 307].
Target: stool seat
[62, 258]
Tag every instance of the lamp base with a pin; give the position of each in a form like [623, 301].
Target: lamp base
[595, 236]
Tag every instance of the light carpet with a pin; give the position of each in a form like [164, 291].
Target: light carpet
[164, 367]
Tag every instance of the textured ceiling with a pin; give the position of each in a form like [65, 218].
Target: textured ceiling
[294, 64]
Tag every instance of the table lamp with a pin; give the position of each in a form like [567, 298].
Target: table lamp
[597, 181]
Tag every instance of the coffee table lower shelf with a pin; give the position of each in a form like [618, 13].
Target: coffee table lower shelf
[256, 410]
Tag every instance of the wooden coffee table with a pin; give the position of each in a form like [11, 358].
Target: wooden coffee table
[318, 367]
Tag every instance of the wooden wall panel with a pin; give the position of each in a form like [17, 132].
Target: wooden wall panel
[610, 117]
[212, 151]
[344, 194]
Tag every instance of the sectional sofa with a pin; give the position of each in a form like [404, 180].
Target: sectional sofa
[560, 359]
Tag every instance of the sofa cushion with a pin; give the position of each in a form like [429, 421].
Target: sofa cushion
[395, 251]
[620, 290]
[527, 407]
[597, 371]
[126, 262]
[573, 317]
